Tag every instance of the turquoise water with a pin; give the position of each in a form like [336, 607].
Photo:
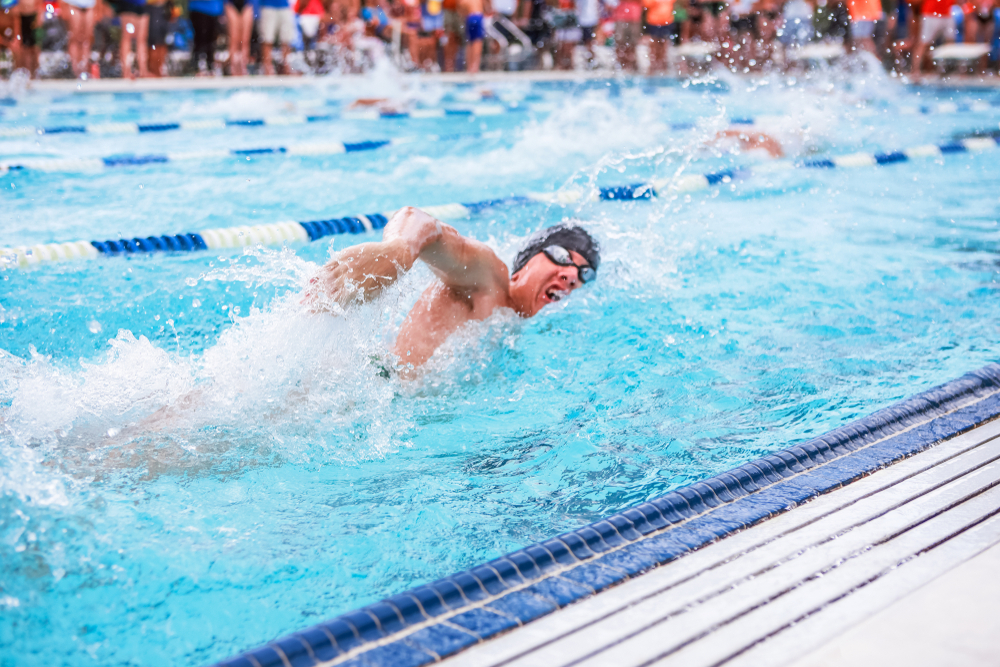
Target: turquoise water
[190, 465]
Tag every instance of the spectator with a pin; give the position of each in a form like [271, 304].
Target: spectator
[159, 21]
[454, 34]
[588, 15]
[766, 22]
[935, 23]
[432, 30]
[979, 26]
[239, 29]
[628, 32]
[310, 13]
[135, 26]
[714, 20]
[204, 15]
[276, 23]
[797, 22]
[567, 34]
[978, 21]
[79, 17]
[472, 12]
[659, 27]
[410, 29]
[27, 58]
[864, 15]
[10, 26]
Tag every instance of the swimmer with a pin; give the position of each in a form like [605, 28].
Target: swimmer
[471, 281]
[751, 140]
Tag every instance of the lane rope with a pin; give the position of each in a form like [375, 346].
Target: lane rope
[79, 164]
[82, 164]
[282, 233]
[112, 128]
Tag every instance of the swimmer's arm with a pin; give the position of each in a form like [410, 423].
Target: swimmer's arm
[360, 273]
[460, 263]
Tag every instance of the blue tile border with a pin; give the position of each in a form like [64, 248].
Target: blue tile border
[438, 619]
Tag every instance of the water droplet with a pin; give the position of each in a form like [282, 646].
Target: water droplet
[94, 326]
[191, 282]
[196, 303]
[112, 432]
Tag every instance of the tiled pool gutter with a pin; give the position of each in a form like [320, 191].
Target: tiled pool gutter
[439, 619]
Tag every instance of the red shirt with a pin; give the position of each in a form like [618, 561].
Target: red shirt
[865, 10]
[936, 7]
[628, 11]
[660, 12]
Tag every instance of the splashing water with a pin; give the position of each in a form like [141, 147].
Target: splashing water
[192, 464]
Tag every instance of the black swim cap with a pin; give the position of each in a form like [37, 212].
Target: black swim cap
[570, 237]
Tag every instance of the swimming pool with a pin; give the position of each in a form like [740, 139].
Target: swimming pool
[242, 471]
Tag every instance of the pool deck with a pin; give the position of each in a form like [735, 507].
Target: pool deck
[349, 80]
[896, 568]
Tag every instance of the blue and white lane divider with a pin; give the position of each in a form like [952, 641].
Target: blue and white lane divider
[289, 232]
[105, 129]
[82, 164]
[74, 164]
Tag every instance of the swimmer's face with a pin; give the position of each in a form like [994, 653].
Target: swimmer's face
[541, 282]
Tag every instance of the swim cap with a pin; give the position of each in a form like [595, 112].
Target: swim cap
[570, 237]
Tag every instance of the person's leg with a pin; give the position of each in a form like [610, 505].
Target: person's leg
[198, 41]
[157, 39]
[142, 44]
[919, 50]
[128, 22]
[32, 51]
[211, 35]
[287, 36]
[20, 53]
[86, 36]
[265, 55]
[658, 50]
[233, 28]
[76, 27]
[268, 28]
[473, 55]
[245, 36]
[453, 40]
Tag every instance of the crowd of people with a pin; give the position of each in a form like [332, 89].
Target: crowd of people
[136, 38]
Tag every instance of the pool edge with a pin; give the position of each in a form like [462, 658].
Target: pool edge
[435, 620]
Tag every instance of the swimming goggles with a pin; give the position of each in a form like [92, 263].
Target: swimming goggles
[561, 256]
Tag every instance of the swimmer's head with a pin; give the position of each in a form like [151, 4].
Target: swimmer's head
[553, 263]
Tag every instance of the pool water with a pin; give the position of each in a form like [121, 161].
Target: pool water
[191, 465]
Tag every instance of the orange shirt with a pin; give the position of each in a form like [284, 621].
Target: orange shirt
[661, 12]
[865, 10]
[936, 7]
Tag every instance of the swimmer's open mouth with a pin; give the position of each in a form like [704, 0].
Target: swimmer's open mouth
[555, 295]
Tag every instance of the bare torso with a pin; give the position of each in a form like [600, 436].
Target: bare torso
[438, 313]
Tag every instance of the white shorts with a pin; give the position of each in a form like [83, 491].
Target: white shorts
[932, 27]
[81, 4]
[309, 25]
[862, 29]
[276, 24]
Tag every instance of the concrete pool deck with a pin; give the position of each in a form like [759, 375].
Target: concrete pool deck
[848, 578]
[265, 82]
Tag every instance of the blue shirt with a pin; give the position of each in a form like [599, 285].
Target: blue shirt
[374, 13]
[277, 4]
[210, 7]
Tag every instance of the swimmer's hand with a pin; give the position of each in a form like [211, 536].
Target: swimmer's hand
[357, 275]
